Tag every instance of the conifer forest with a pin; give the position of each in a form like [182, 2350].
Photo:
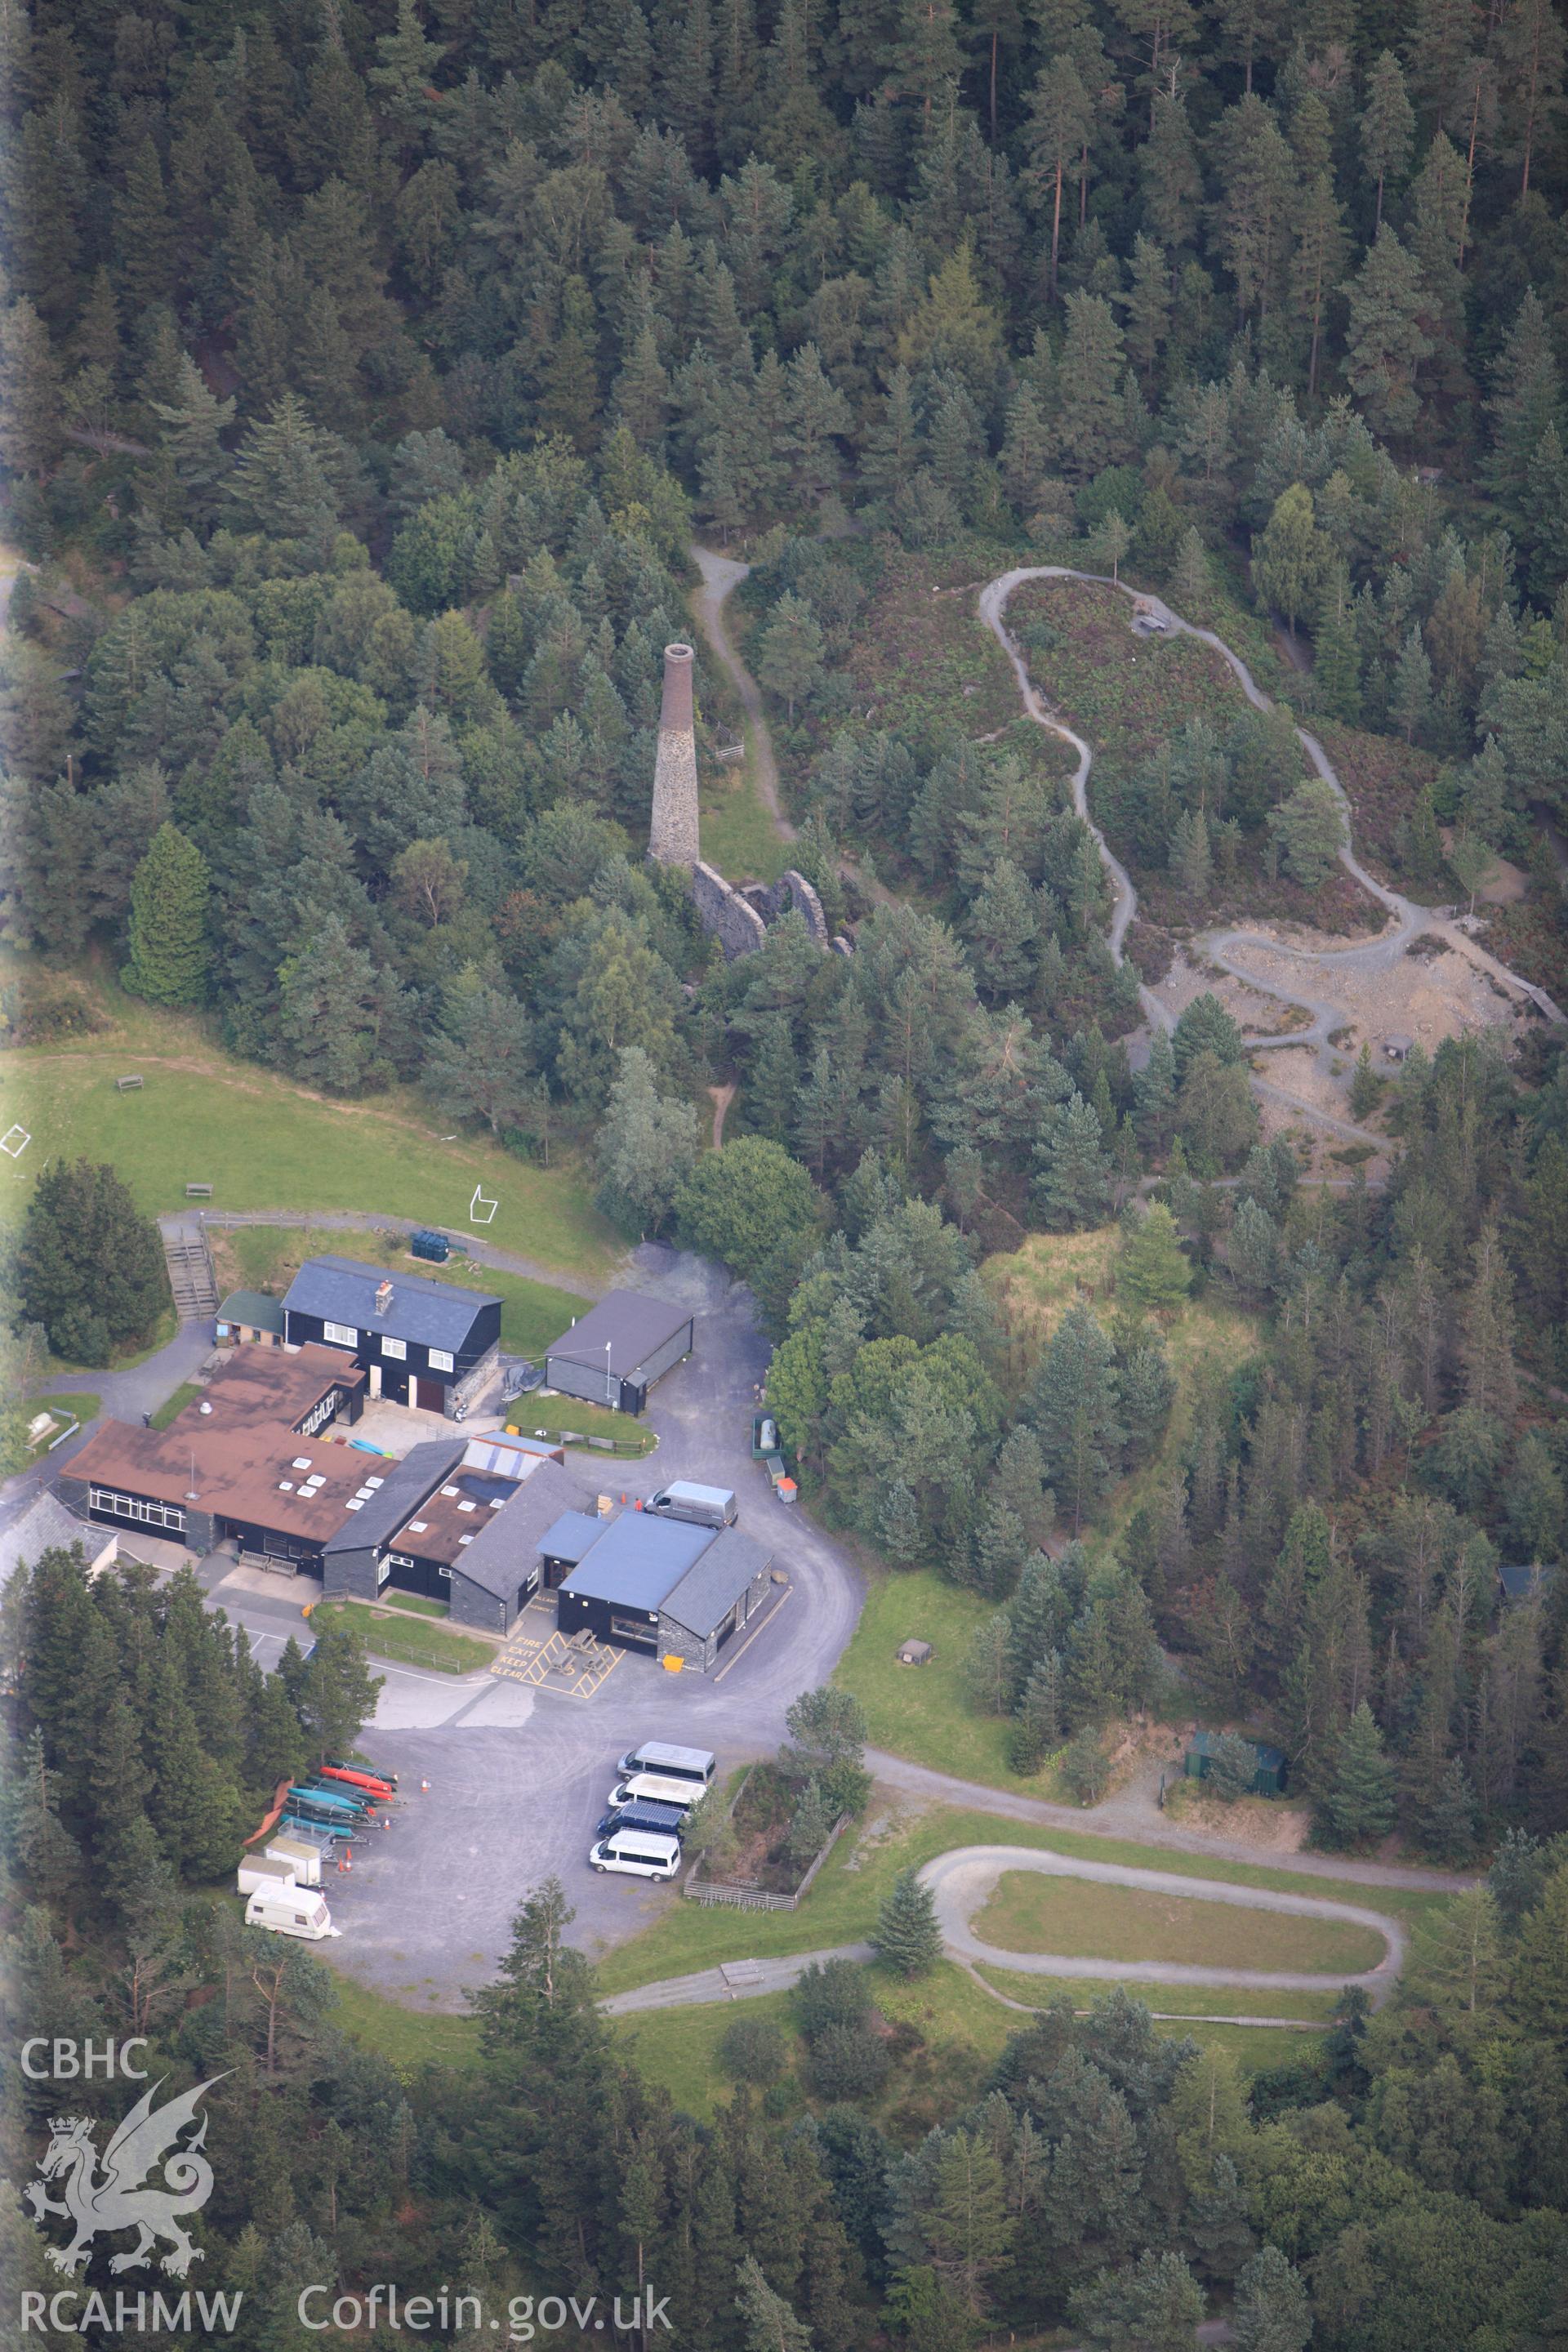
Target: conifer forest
[1144, 1136]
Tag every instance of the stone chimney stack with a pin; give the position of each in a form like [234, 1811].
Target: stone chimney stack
[672, 835]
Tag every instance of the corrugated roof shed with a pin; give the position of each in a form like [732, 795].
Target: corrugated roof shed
[708, 1591]
[343, 1290]
[633, 1326]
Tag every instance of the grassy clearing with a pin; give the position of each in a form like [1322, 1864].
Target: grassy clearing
[923, 1711]
[174, 1405]
[264, 1143]
[268, 1257]
[1180, 2000]
[842, 1905]
[407, 1642]
[560, 1418]
[406, 2038]
[678, 2048]
[1081, 1920]
[65, 1404]
[414, 1604]
[737, 830]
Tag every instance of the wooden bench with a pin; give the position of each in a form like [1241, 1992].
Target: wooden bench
[127, 1086]
[198, 1191]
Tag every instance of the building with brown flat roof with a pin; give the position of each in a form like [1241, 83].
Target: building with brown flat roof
[249, 1459]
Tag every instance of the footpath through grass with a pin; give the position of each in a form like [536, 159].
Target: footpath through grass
[1078, 1919]
[268, 1257]
[202, 1117]
[842, 1905]
[407, 1640]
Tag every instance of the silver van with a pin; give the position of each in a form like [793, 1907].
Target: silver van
[653, 1789]
[697, 1764]
[705, 1506]
[638, 1854]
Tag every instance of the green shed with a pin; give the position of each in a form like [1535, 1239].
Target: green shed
[1271, 1771]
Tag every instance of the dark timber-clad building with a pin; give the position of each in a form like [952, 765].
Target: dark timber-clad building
[614, 1353]
[418, 1342]
[665, 1587]
[458, 1522]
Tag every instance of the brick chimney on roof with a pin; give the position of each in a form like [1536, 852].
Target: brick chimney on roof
[672, 833]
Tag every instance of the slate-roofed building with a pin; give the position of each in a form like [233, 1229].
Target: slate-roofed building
[418, 1341]
[46, 1525]
[498, 1569]
[665, 1587]
[614, 1354]
[448, 1524]
[714, 1599]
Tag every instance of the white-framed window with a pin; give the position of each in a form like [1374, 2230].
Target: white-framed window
[439, 1358]
[398, 1560]
[342, 1335]
[398, 1347]
[382, 1572]
[445, 1574]
[138, 1507]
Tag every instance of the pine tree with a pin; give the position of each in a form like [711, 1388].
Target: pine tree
[1336, 654]
[1091, 419]
[1059, 121]
[1273, 2308]
[1288, 560]
[768, 2323]
[789, 657]
[1384, 342]
[144, 232]
[1357, 1803]
[1037, 1729]
[170, 948]
[30, 414]
[1410, 702]
[92, 1267]
[907, 1937]
[1529, 49]
[1152, 1269]
[1387, 127]
[1073, 1186]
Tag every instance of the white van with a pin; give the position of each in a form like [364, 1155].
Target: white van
[291, 1911]
[655, 1788]
[697, 1764]
[304, 1861]
[638, 1853]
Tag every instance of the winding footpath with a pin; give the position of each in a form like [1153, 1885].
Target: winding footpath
[961, 1882]
[1374, 955]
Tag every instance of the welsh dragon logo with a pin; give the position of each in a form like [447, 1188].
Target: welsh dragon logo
[115, 2198]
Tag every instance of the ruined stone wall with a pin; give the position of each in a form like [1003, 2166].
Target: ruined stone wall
[722, 911]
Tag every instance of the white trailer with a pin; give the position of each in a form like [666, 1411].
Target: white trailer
[290, 1910]
[304, 1861]
[264, 1870]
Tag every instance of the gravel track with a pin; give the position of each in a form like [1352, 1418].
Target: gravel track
[1408, 919]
